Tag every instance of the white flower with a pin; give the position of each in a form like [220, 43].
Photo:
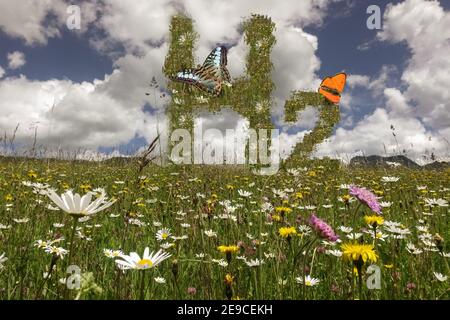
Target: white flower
[167, 245]
[244, 194]
[210, 233]
[4, 227]
[3, 259]
[163, 234]
[160, 280]
[57, 251]
[149, 260]
[385, 204]
[390, 179]
[354, 236]
[58, 225]
[78, 206]
[393, 164]
[304, 229]
[112, 253]
[440, 276]
[200, 255]
[346, 229]
[436, 202]
[336, 253]
[254, 262]
[25, 220]
[309, 282]
[220, 262]
[185, 225]
[157, 223]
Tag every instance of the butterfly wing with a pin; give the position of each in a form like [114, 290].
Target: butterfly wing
[211, 75]
[216, 64]
[199, 79]
[332, 87]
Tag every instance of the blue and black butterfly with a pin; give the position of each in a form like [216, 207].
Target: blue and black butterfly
[211, 76]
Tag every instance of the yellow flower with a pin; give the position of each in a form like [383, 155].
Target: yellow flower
[388, 266]
[346, 198]
[32, 174]
[229, 279]
[85, 188]
[230, 187]
[312, 174]
[276, 218]
[356, 252]
[228, 249]
[9, 197]
[299, 195]
[374, 221]
[283, 210]
[286, 232]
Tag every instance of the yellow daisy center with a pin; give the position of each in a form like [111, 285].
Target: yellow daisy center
[145, 263]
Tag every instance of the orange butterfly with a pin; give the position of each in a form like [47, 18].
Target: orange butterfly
[332, 87]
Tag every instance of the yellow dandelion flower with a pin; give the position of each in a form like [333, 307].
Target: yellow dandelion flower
[286, 232]
[374, 221]
[228, 249]
[9, 197]
[276, 218]
[359, 252]
[283, 210]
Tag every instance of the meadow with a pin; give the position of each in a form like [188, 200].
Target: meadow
[230, 234]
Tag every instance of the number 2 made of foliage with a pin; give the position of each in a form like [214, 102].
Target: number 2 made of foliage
[250, 94]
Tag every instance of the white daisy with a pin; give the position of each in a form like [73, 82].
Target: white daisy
[309, 282]
[149, 260]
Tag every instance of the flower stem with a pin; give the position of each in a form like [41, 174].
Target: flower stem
[142, 290]
[69, 259]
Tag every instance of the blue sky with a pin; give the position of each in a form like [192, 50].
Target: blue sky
[113, 34]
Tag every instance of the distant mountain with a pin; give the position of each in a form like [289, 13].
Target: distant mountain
[437, 165]
[391, 161]
[383, 161]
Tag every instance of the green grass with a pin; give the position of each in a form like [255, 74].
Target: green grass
[198, 192]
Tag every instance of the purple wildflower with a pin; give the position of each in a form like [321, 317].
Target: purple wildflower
[324, 230]
[366, 197]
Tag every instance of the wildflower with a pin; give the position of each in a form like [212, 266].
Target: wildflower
[160, 280]
[78, 206]
[254, 262]
[229, 279]
[163, 234]
[429, 202]
[112, 253]
[287, 232]
[244, 194]
[366, 197]
[359, 252]
[440, 277]
[228, 249]
[374, 221]
[134, 261]
[57, 251]
[191, 291]
[3, 259]
[283, 210]
[346, 229]
[309, 281]
[210, 233]
[322, 228]
[390, 179]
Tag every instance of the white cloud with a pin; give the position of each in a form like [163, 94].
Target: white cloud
[29, 19]
[109, 112]
[357, 80]
[16, 60]
[2, 72]
[425, 27]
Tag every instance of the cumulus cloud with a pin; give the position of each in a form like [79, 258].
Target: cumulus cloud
[110, 111]
[419, 108]
[33, 21]
[16, 60]
[2, 72]
[425, 27]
